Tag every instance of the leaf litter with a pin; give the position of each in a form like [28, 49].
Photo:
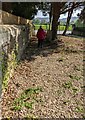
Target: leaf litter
[48, 82]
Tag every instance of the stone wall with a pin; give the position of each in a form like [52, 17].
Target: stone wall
[79, 31]
[10, 19]
[13, 41]
[15, 33]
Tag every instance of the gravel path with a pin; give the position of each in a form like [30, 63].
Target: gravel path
[58, 71]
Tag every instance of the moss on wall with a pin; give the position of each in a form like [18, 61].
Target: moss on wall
[12, 49]
[8, 68]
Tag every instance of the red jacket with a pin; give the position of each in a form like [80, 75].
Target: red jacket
[41, 34]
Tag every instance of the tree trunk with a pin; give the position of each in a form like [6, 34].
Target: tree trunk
[56, 14]
[50, 17]
[68, 19]
[49, 20]
[56, 6]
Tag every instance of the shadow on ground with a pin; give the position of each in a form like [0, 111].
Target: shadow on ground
[75, 36]
[49, 48]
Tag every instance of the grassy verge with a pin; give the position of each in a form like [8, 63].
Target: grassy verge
[46, 27]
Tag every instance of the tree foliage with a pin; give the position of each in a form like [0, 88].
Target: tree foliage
[82, 15]
[72, 6]
[24, 9]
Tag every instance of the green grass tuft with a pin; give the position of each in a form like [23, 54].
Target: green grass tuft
[67, 84]
[26, 99]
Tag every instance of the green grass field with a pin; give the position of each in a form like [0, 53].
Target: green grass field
[46, 27]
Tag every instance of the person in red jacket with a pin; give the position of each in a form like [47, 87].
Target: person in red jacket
[41, 34]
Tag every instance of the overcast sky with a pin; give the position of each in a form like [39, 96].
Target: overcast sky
[39, 14]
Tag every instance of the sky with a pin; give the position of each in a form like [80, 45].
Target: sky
[39, 14]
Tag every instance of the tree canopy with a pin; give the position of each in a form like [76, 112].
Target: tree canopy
[24, 9]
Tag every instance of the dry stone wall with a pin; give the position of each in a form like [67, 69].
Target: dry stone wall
[10, 19]
[13, 41]
[79, 32]
[15, 33]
